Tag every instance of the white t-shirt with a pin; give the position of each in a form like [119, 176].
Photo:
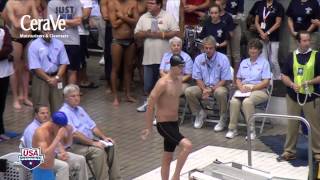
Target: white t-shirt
[6, 67]
[85, 4]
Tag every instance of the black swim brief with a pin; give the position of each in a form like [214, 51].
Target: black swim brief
[170, 132]
[123, 42]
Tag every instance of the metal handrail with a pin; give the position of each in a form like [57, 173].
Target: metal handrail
[297, 118]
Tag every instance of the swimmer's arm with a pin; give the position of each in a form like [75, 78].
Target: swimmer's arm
[104, 9]
[135, 16]
[115, 22]
[79, 137]
[152, 100]
[14, 21]
[67, 138]
[39, 142]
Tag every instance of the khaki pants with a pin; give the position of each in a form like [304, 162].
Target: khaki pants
[105, 162]
[194, 96]
[234, 45]
[247, 105]
[293, 43]
[74, 168]
[311, 113]
[184, 87]
[43, 93]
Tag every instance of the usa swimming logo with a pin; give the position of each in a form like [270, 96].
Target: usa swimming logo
[31, 158]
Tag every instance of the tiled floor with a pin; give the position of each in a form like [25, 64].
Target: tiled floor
[124, 125]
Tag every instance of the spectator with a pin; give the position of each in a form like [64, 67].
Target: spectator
[251, 31]
[300, 13]
[154, 27]
[6, 70]
[301, 75]
[234, 33]
[71, 12]
[253, 77]
[193, 10]
[211, 70]
[20, 79]
[48, 61]
[66, 164]
[122, 22]
[268, 20]
[84, 130]
[84, 34]
[175, 46]
[216, 28]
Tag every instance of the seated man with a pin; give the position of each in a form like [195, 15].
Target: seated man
[175, 49]
[66, 164]
[102, 153]
[211, 70]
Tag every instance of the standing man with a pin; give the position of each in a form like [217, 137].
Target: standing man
[155, 27]
[66, 164]
[71, 12]
[6, 70]
[123, 17]
[103, 156]
[211, 70]
[48, 137]
[48, 61]
[301, 75]
[165, 96]
[14, 12]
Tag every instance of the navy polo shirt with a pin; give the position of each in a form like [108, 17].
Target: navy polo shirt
[254, 8]
[227, 19]
[287, 70]
[302, 13]
[276, 10]
[219, 31]
[235, 6]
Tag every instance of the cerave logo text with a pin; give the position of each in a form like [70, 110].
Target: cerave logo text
[42, 24]
[31, 158]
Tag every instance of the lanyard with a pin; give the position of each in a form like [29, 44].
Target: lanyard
[209, 69]
[265, 16]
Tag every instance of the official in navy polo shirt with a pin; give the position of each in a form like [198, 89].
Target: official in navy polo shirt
[269, 15]
[300, 13]
[217, 29]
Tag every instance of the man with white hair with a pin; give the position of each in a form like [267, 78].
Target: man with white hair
[101, 152]
[176, 49]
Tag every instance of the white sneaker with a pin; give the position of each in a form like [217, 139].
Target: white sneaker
[232, 133]
[252, 135]
[101, 62]
[143, 108]
[198, 123]
[220, 126]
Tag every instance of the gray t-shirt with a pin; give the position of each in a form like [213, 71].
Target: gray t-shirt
[67, 9]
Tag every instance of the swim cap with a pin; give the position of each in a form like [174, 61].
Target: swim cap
[176, 60]
[60, 118]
